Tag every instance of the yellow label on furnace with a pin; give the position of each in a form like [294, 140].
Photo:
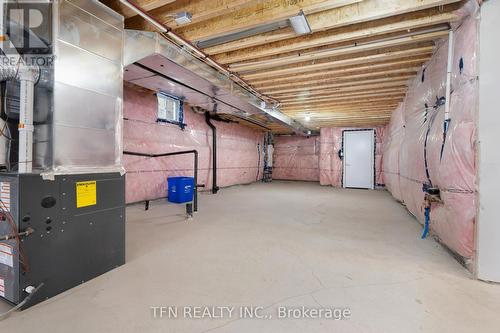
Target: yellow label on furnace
[86, 194]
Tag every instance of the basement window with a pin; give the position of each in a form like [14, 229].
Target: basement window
[170, 110]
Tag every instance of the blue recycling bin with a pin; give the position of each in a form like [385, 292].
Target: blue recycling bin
[180, 189]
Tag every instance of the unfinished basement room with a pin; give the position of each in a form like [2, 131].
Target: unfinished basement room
[248, 166]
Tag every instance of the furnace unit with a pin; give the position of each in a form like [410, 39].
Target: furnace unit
[62, 189]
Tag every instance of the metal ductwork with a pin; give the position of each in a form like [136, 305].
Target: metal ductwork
[155, 63]
[27, 76]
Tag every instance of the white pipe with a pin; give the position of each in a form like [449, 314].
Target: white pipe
[448, 77]
[26, 125]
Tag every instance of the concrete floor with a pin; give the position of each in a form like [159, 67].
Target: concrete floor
[282, 244]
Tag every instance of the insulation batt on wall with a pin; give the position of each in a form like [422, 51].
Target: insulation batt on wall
[416, 131]
[317, 158]
[330, 163]
[296, 158]
[237, 148]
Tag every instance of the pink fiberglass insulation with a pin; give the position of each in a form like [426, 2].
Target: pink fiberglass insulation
[330, 164]
[296, 158]
[238, 148]
[317, 158]
[415, 152]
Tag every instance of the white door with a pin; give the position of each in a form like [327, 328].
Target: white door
[359, 158]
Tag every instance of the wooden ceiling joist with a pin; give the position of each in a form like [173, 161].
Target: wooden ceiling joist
[368, 10]
[353, 69]
[346, 115]
[358, 102]
[345, 100]
[313, 66]
[326, 113]
[382, 93]
[351, 104]
[372, 67]
[328, 78]
[350, 123]
[359, 84]
[200, 10]
[322, 54]
[389, 100]
[335, 36]
[262, 12]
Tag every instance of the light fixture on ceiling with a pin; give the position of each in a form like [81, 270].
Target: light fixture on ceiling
[300, 24]
[307, 117]
[183, 18]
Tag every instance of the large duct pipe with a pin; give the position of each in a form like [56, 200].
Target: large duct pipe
[215, 188]
[164, 29]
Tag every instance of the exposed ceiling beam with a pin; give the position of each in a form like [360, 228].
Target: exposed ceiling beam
[200, 10]
[325, 112]
[346, 120]
[372, 67]
[361, 83]
[361, 102]
[331, 78]
[347, 99]
[333, 116]
[349, 107]
[368, 101]
[333, 83]
[365, 11]
[265, 11]
[321, 54]
[348, 115]
[365, 98]
[350, 123]
[370, 10]
[335, 36]
[331, 113]
[313, 66]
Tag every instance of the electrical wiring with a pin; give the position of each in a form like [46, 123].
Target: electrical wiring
[20, 305]
[4, 107]
[6, 216]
